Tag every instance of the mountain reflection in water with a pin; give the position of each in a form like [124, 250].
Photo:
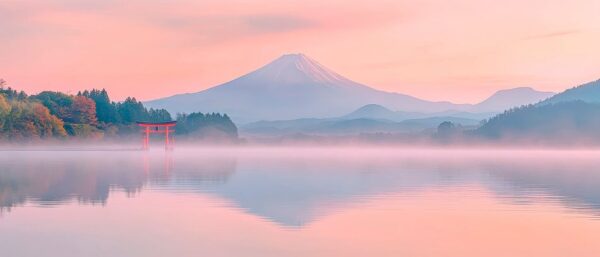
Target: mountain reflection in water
[295, 189]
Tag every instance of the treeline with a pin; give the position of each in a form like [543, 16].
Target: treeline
[212, 127]
[562, 122]
[91, 114]
[25, 119]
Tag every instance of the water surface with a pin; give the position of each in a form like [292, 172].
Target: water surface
[300, 202]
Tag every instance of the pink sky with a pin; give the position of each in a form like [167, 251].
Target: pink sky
[458, 50]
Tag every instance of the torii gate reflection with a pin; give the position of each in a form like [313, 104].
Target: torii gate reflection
[157, 128]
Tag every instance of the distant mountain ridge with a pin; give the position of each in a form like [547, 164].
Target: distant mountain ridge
[295, 86]
[512, 98]
[371, 118]
[347, 126]
[378, 112]
[570, 117]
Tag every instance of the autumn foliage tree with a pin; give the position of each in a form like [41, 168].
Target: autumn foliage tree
[4, 110]
[83, 111]
[71, 109]
[30, 120]
[47, 125]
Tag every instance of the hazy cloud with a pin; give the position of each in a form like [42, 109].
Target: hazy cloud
[553, 34]
[241, 24]
[276, 23]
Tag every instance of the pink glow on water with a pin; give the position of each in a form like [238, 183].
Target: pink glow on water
[300, 202]
[450, 222]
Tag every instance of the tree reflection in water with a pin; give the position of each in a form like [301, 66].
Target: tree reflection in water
[293, 189]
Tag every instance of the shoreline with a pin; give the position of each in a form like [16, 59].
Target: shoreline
[299, 147]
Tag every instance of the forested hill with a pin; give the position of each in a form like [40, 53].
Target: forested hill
[572, 116]
[571, 122]
[589, 92]
[91, 114]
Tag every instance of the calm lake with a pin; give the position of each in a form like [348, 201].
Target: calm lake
[300, 202]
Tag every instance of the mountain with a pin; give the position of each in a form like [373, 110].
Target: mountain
[506, 99]
[291, 87]
[295, 86]
[589, 92]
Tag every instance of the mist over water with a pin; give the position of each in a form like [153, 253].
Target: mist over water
[300, 201]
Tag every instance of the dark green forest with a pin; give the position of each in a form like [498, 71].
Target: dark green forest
[91, 114]
[210, 126]
[562, 122]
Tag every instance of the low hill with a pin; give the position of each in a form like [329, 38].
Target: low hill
[378, 112]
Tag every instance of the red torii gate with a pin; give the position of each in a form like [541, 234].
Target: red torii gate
[157, 128]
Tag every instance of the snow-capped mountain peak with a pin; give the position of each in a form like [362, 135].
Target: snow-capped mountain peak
[299, 69]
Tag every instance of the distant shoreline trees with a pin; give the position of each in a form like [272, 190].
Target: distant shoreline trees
[210, 126]
[91, 114]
